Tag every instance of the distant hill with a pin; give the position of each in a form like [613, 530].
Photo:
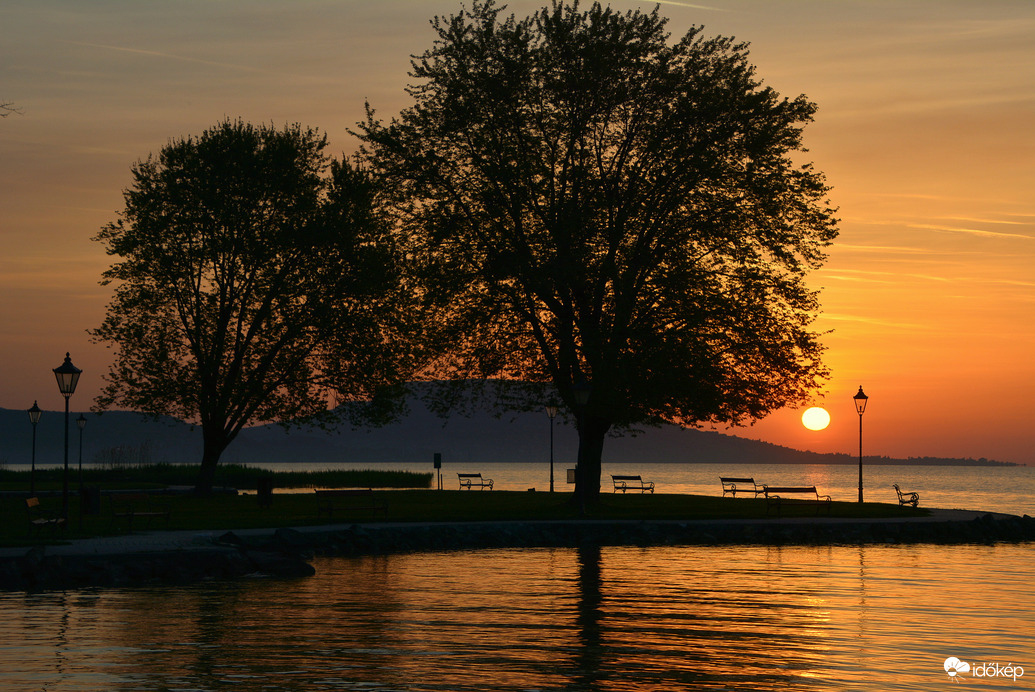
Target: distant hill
[479, 438]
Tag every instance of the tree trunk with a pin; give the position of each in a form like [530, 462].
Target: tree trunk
[592, 432]
[214, 442]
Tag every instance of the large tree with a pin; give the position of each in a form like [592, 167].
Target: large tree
[254, 283]
[611, 211]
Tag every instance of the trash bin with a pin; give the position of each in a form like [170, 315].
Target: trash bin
[264, 490]
[90, 500]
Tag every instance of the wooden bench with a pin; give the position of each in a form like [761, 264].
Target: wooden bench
[907, 498]
[350, 500]
[748, 485]
[129, 507]
[624, 483]
[777, 496]
[40, 518]
[474, 480]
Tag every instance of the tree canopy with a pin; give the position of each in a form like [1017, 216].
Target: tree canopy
[254, 283]
[610, 211]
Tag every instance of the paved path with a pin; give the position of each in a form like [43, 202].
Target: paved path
[157, 541]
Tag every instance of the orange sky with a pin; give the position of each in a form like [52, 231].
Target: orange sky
[925, 130]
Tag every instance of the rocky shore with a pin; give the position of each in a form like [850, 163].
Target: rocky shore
[285, 553]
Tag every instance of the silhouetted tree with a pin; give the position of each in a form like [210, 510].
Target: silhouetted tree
[609, 208]
[251, 286]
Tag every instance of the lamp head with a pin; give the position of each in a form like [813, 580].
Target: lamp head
[81, 421]
[67, 377]
[551, 411]
[860, 401]
[34, 413]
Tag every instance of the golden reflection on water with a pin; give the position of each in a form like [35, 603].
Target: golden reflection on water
[614, 618]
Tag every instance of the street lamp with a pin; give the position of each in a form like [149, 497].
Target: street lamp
[34, 418]
[67, 378]
[81, 422]
[551, 411]
[860, 407]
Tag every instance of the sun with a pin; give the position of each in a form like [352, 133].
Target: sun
[815, 418]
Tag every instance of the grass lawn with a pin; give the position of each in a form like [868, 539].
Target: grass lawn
[225, 512]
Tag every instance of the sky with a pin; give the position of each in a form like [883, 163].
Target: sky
[924, 131]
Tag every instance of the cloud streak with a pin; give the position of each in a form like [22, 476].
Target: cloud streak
[173, 56]
[969, 231]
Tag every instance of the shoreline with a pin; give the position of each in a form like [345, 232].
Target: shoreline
[183, 557]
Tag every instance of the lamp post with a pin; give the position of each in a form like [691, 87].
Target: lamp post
[551, 411]
[34, 418]
[67, 376]
[81, 422]
[860, 407]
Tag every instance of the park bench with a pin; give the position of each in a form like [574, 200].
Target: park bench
[907, 498]
[129, 507]
[777, 496]
[747, 485]
[474, 480]
[624, 483]
[40, 518]
[350, 500]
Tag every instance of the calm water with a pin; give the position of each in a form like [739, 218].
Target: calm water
[1009, 489]
[738, 618]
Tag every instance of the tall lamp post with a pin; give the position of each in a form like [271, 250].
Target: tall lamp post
[34, 418]
[67, 378]
[860, 407]
[81, 422]
[551, 411]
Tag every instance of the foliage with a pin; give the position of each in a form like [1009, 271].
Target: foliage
[227, 475]
[254, 284]
[592, 204]
[121, 456]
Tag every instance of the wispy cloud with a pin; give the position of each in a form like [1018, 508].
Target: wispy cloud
[865, 275]
[884, 249]
[688, 4]
[969, 231]
[874, 321]
[172, 56]
[976, 220]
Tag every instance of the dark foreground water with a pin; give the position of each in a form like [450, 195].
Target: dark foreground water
[617, 618]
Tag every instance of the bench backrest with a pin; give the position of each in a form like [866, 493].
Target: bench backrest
[787, 490]
[345, 492]
[627, 478]
[737, 480]
[469, 475]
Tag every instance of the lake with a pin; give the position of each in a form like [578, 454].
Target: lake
[1009, 489]
[616, 618]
